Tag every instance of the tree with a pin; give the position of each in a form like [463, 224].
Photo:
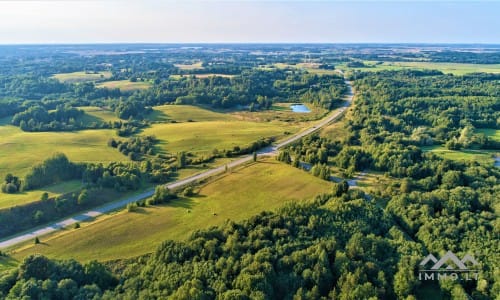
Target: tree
[340, 188]
[83, 197]
[44, 197]
[181, 160]
[37, 240]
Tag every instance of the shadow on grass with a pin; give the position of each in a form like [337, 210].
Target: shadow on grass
[158, 116]
[182, 203]
[141, 210]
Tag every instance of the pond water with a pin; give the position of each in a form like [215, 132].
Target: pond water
[300, 108]
[497, 161]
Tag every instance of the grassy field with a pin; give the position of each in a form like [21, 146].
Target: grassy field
[125, 85]
[490, 133]
[194, 66]
[454, 68]
[203, 137]
[309, 67]
[99, 114]
[177, 76]
[283, 113]
[472, 155]
[242, 193]
[19, 150]
[335, 131]
[183, 113]
[82, 76]
[9, 200]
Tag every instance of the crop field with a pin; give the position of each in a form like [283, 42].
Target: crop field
[204, 137]
[20, 150]
[125, 85]
[265, 185]
[82, 76]
[454, 68]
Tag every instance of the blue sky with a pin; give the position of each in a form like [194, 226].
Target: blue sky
[106, 21]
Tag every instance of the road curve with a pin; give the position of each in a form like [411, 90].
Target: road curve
[16, 239]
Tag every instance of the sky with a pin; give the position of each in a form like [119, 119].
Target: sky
[245, 21]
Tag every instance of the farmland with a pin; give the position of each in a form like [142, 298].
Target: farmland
[240, 194]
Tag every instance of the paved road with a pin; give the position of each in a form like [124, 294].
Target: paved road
[271, 150]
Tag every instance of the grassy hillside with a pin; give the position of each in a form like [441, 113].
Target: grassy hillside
[242, 193]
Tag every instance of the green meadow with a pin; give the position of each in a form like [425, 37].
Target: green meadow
[20, 150]
[490, 133]
[9, 200]
[98, 114]
[77, 77]
[193, 66]
[243, 192]
[184, 113]
[466, 154]
[203, 137]
[125, 85]
[453, 68]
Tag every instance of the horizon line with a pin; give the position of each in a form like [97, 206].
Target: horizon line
[245, 43]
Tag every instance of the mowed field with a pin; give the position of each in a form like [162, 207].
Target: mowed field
[82, 76]
[237, 195]
[124, 85]
[454, 68]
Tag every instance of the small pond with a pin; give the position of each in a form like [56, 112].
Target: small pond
[300, 108]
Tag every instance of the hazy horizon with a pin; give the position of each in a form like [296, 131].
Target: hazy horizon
[244, 22]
